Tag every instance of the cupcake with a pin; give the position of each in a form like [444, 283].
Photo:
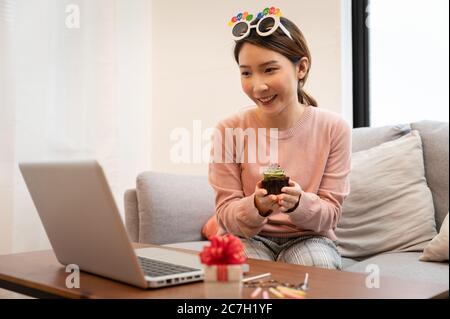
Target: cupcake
[274, 179]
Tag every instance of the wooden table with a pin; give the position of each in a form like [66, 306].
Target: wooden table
[39, 274]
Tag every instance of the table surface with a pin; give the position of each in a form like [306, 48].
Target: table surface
[39, 274]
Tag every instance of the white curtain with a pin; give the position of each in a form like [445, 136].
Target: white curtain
[75, 83]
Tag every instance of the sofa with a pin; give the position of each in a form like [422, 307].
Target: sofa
[170, 209]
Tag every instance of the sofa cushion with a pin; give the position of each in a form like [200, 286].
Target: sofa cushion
[192, 245]
[364, 138]
[435, 152]
[406, 266]
[437, 249]
[347, 262]
[172, 208]
[390, 207]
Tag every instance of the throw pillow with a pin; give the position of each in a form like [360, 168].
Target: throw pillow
[390, 207]
[437, 249]
[179, 203]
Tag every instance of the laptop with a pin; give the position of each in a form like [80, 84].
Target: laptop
[83, 224]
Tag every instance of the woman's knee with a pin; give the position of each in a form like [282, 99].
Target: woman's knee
[315, 253]
[313, 261]
[256, 250]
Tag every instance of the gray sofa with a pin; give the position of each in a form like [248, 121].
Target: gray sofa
[171, 209]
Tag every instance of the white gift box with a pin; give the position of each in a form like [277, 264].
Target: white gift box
[223, 281]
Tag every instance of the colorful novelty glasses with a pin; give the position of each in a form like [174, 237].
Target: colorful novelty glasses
[269, 22]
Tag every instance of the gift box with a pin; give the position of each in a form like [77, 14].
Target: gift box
[223, 281]
[223, 264]
[223, 273]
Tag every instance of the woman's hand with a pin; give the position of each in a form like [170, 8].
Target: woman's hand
[265, 204]
[290, 198]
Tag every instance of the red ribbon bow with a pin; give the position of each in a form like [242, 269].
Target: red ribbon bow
[224, 250]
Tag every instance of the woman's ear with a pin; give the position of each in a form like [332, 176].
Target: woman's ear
[302, 68]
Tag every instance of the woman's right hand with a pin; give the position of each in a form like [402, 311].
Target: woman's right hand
[266, 205]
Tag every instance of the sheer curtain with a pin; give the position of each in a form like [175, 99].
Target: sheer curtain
[75, 83]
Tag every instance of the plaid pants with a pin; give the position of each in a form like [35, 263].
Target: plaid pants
[308, 250]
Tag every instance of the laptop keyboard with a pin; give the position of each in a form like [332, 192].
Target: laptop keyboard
[156, 268]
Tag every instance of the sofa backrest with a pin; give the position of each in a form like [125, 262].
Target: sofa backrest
[364, 138]
[435, 141]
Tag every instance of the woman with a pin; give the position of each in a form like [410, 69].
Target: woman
[313, 147]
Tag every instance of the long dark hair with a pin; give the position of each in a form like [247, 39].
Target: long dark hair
[281, 43]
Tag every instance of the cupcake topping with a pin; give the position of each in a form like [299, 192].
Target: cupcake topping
[274, 170]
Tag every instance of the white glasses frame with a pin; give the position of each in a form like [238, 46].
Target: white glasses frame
[277, 25]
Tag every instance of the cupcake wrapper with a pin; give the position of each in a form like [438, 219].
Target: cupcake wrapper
[274, 186]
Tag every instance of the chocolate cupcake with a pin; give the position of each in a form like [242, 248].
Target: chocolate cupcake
[274, 179]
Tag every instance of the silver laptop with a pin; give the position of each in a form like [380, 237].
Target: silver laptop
[84, 227]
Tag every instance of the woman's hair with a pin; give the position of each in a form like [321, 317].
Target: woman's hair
[281, 43]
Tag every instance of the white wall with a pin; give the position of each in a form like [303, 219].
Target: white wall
[195, 76]
[6, 131]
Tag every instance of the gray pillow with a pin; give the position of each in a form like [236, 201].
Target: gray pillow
[390, 207]
[172, 207]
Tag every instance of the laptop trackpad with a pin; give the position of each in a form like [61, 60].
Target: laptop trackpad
[170, 256]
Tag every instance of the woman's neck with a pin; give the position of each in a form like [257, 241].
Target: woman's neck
[285, 119]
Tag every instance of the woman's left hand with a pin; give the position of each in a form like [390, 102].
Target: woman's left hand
[290, 197]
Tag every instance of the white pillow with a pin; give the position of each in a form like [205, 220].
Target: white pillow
[437, 249]
[390, 207]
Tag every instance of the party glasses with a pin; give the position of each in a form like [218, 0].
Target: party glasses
[269, 22]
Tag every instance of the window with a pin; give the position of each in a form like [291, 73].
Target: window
[408, 61]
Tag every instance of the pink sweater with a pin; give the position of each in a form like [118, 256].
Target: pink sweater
[315, 153]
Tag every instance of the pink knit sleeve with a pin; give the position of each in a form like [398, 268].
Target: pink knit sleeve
[236, 213]
[321, 212]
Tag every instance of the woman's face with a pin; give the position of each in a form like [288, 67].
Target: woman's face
[268, 78]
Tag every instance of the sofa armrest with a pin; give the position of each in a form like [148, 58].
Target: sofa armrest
[131, 214]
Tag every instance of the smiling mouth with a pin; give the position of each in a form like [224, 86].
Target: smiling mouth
[267, 100]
